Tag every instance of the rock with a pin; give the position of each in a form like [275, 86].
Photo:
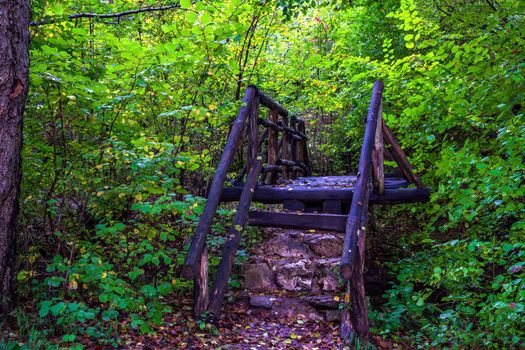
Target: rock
[285, 246]
[329, 282]
[323, 301]
[263, 301]
[295, 276]
[326, 245]
[295, 309]
[333, 315]
[258, 277]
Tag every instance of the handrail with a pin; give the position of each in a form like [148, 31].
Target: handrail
[199, 239]
[292, 143]
[360, 195]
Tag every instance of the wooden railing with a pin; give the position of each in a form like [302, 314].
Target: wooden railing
[370, 179]
[286, 156]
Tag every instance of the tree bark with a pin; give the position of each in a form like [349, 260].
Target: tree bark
[14, 77]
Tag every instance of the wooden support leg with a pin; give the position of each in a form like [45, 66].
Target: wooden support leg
[293, 205]
[332, 206]
[200, 285]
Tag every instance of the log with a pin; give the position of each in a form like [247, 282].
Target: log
[272, 168]
[200, 286]
[271, 123]
[378, 170]
[285, 148]
[400, 157]
[199, 239]
[273, 145]
[272, 105]
[269, 195]
[359, 315]
[230, 248]
[363, 179]
[327, 222]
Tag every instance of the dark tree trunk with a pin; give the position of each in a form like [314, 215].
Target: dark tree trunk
[14, 70]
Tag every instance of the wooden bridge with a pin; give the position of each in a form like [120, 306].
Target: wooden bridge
[278, 170]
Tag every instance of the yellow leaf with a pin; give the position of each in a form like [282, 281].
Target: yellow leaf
[99, 166]
[212, 107]
[100, 193]
[138, 197]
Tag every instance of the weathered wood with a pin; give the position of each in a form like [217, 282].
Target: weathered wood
[363, 179]
[269, 195]
[253, 132]
[293, 143]
[200, 285]
[272, 168]
[359, 315]
[234, 238]
[331, 206]
[271, 123]
[328, 222]
[378, 171]
[293, 205]
[272, 105]
[285, 149]
[301, 148]
[400, 157]
[273, 144]
[199, 239]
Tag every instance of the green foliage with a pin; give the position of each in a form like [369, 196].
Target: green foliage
[126, 118]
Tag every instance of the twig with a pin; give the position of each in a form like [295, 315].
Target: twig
[104, 15]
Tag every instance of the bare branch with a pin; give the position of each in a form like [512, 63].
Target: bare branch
[104, 15]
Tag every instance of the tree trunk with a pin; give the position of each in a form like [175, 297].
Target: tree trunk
[14, 77]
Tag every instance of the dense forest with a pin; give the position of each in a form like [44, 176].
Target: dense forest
[128, 109]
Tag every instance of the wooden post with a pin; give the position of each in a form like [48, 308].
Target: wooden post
[301, 148]
[285, 153]
[360, 195]
[273, 145]
[230, 248]
[293, 145]
[253, 142]
[200, 285]
[199, 239]
[400, 157]
[378, 171]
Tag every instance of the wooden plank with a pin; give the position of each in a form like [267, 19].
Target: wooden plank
[378, 170]
[200, 286]
[363, 180]
[328, 222]
[273, 145]
[400, 157]
[269, 195]
[234, 238]
[199, 239]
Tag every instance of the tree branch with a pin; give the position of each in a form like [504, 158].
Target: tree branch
[104, 15]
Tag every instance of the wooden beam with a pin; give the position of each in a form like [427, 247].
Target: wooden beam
[234, 238]
[400, 157]
[328, 222]
[269, 195]
[199, 239]
[363, 180]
